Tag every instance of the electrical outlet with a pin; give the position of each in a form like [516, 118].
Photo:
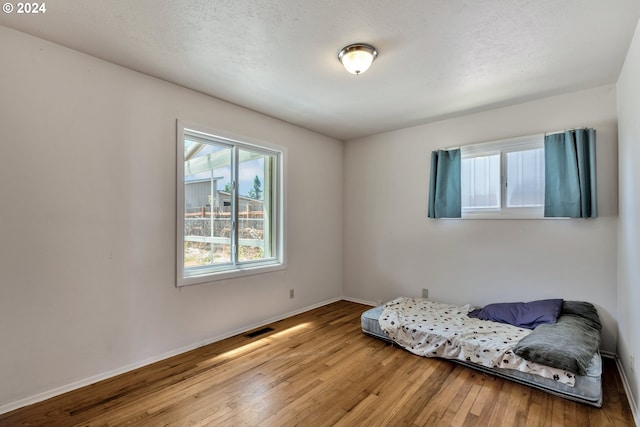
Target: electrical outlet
[290, 293]
[425, 293]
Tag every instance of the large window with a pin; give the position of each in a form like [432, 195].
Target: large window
[503, 178]
[230, 207]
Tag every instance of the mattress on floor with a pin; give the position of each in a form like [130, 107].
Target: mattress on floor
[587, 388]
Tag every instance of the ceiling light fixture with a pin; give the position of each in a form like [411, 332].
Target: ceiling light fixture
[357, 57]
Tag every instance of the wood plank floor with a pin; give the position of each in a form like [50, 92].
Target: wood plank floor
[316, 369]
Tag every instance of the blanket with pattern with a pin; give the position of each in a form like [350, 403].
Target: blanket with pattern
[432, 329]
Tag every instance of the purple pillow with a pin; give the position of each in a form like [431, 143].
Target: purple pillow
[522, 314]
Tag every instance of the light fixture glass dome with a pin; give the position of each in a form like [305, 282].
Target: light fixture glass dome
[358, 57]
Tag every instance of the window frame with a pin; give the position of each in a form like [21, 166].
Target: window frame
[212, 273]
[503, 147]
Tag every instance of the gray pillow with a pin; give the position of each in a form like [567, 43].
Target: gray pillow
[568, 344]
[583, 309]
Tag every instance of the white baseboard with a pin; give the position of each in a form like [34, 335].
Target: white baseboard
[106, 375]
[360, 301]
[627, 390]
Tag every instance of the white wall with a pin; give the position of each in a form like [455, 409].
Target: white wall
[87, 220]
[629, 222]
[391, 248]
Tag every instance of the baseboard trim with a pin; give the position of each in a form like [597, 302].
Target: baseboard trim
[360, 301]
[12, 406]
[627, 390]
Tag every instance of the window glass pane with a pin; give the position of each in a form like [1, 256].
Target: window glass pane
[480, 182]
[525, 178]
[207, 204]
[229, 211]
[255, 205]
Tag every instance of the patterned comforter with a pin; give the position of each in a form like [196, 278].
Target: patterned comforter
[432, 329]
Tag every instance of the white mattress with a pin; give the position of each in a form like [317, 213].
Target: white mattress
[587, 389]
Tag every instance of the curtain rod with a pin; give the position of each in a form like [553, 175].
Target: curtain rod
[455, 147]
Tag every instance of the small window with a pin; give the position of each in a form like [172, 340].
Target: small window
[503, 179]
[229, 207]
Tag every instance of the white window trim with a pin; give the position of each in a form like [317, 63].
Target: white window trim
[503, 146]
[216, 273]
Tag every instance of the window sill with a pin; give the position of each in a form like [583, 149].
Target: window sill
[505, 214]
[210, 277]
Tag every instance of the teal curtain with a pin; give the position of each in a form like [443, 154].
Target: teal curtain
[444, 187]
[570, 174]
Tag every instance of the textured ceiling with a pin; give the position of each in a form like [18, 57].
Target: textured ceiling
[438, 58]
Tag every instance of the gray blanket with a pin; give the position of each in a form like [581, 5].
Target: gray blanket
[568, 344]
